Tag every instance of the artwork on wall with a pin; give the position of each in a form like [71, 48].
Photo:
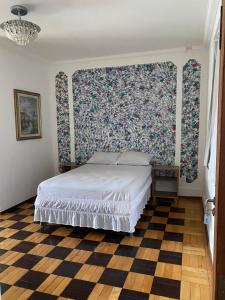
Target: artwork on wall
[126, 108]
[27, 114]
[63, 120]
[190, 120]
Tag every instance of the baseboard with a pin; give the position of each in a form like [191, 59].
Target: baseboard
[194, 198]
[190, 192]
[14, 206]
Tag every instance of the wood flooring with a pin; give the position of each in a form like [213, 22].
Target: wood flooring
[166, 259]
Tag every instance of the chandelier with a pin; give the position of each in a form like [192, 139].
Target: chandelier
[20, 31]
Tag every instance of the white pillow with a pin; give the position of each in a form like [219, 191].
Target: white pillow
[134, 158]
[105, 158]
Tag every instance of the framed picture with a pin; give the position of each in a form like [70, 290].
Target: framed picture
[28, 115]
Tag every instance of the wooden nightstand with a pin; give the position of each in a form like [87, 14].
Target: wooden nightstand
[165, 182]
[65, 167]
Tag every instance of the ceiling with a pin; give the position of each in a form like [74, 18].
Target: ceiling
[75, 29]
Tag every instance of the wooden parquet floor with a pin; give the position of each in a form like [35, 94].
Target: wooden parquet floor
[166, 259]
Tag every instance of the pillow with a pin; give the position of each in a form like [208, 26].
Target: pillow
[105, 158]
[134, 158]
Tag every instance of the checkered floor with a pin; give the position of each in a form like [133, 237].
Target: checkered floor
[62, 262]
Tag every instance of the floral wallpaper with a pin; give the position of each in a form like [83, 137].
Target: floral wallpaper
[126, 108]
[190, 120]
[63, 123]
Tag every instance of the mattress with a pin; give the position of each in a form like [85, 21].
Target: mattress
[95, 189]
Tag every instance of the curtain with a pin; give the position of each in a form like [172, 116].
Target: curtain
[211, 144]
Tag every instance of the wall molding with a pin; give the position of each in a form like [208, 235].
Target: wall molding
[132, 55]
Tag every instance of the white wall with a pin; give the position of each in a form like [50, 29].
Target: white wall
[23, 164]
[179, 57]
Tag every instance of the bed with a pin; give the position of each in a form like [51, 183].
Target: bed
[106, 196]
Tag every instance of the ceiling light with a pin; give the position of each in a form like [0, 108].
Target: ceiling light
[20, 31]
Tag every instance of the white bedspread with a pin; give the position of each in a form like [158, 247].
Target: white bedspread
[108, 189]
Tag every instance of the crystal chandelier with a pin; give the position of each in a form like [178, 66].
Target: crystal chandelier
[20, 31]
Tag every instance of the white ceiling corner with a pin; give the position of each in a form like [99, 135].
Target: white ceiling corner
[80, 29]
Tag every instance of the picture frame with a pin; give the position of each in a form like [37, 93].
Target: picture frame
[27, 115]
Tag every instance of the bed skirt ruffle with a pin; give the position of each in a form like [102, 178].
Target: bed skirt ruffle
[124, 223]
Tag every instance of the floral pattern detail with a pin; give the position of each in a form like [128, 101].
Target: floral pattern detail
[126, 108]
[190, 120]
[63, 121]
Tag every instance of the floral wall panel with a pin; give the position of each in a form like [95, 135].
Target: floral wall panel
[126, 108]
[190, 120]
[63, 121]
